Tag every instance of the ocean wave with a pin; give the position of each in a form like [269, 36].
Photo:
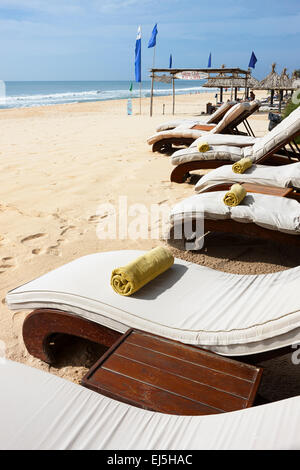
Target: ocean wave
[31, 100]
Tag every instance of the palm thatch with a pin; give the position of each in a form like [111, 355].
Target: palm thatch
[271, 81]
[252, 83]
[223, 81]
[286, 83]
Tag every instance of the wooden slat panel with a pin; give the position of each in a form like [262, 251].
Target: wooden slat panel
[182, 369]
[148, 397]
[170, 382]
[271, 190]
[190, 354]
[203, 127]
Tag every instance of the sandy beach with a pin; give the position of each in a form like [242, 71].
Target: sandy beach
[59, 164]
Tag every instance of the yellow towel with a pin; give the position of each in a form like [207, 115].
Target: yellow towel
[235, 195]
[203, 147]
[128, 279]
[242, 165]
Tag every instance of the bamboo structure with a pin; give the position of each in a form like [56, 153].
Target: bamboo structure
[211, 73]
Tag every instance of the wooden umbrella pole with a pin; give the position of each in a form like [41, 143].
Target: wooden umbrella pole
[173, 83]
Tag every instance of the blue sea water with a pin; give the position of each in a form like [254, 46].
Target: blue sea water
[29, 94]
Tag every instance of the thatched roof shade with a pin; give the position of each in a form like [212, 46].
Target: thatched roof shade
[271, 82]
[235, 82]
[223, 81]
[253, 83]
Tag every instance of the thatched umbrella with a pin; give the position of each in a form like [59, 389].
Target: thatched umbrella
[270, 82]
[253, 83]
[222, 81]
[285, 81]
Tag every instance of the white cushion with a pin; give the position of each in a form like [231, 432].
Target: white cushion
[235, 140]
[40, 411]
[204, 120]
[277, 136]
[189, 303]
[183, 122]
[216, 152]
[182, 131]
[274, 213]
[280, 176]
[237, 111]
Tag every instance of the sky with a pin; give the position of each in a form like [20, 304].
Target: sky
[95, 39]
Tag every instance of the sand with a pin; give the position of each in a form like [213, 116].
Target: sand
[58, 165]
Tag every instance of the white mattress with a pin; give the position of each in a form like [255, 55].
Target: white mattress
[271, 212]
[189, 303]
[277, 136]
[233, 140]
[182, 131]
[169, 125]
[280, 176]
[204, 120]
[236, 112]
[216, 152]
[60, 415]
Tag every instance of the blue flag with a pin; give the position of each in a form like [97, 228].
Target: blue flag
[253, 60]
[152, 41]
[171, 61]
[209, 61]
[138, 56]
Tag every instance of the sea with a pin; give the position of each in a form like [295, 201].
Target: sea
[43, 93]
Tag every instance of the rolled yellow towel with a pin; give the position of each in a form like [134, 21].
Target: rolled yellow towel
[235, 195]
[128, 279]
[242, 165]
[203, 147]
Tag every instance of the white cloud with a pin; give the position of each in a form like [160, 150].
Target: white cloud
[43, 6]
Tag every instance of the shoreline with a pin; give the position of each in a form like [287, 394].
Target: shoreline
[90, 106]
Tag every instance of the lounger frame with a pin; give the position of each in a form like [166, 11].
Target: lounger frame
[45, 330]
[42, 330]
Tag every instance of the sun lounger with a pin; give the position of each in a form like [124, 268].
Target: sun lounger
[226, 313]
[187, 134]
[287, 176]
[260, 215]
[212, 119]
[270, 148]
[40, 411]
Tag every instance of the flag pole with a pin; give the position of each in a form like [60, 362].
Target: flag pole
[140, 97]
[154, 48]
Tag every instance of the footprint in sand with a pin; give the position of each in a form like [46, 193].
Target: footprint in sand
[31, 240]
[55, 249]
[7, 263]
[66, 229]
[95, 218]
[28, 239]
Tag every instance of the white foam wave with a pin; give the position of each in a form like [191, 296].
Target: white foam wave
[91, 95]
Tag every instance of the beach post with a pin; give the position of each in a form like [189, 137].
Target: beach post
[151, 98]
[173, 86]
